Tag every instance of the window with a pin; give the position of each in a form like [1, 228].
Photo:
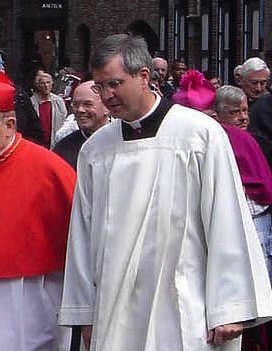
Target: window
[255, 30]
[162, 33]
[223, 42]
[163, 24]
[205, 41]
[179, 29]
[245, 32]
[205, 32]
[252, 29]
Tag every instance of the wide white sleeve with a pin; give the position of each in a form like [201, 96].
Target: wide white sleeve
[237, 283]
[79, 290]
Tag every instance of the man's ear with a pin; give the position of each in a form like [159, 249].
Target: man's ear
[144, 72]
[10, 123]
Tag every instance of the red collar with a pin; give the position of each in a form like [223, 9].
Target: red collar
[12, 148]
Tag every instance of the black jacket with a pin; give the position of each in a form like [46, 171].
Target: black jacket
[260, 125]
[68, 147]
[28, 122]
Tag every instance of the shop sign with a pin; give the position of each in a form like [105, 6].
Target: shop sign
[52, 6]
[55, 6]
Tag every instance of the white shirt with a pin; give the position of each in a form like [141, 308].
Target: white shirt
[162, 245]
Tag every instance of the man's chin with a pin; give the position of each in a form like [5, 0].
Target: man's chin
[243, 126]
[87, 131]
[116, 112]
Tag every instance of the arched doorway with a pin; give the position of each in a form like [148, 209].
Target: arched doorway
[140, 27]
[84, 45]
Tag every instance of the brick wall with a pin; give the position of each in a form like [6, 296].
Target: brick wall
[104, 18]
[99, 18]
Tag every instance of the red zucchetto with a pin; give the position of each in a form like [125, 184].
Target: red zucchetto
[7, 93]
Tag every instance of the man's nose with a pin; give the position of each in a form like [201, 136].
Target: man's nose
[243, 116]
[81, 108]
[106, 94]
[259, 87]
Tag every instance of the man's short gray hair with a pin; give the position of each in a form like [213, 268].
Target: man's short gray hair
[132, 50]
[228, 95]
[253, 64]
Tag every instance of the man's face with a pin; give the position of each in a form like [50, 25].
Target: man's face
[254, 85]
[160, 66]
[45, 85]
[123, 94]
[89, 110]
[178, 70]
[215, 82]
[237, 78]
[235, 115]
[7, 128]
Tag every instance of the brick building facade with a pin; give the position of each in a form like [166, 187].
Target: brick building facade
[209, 34]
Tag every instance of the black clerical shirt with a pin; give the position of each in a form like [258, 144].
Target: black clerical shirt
[149, 125]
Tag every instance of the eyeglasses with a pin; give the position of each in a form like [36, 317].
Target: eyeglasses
[113, 84]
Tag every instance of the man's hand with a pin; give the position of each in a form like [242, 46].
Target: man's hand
[86, 331]
[222, 333]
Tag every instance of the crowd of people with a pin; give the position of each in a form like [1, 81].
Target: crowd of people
[136, 214]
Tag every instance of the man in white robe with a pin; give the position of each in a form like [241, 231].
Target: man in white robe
[162, 253]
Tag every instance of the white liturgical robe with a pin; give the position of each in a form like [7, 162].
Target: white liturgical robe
[162, 246]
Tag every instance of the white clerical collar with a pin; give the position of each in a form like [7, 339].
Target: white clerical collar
[9, 144]
[136, 124]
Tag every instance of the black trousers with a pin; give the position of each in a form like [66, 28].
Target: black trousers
[76, 337]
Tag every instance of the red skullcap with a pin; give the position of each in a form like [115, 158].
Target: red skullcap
[7, 93]
[195, 91]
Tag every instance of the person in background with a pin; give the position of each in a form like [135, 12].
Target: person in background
[160, 66]
[90, 114]
[65, 83]
[70, 124]
[154, 82]
[254, 79]
[231, 107]
[154, 261]
[36, 199]
[60, 84]
[178, 68]
[28, 123]
[213, 79]
[237, 75]
[232, 110]
[49, 107]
